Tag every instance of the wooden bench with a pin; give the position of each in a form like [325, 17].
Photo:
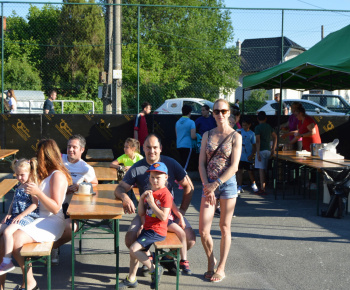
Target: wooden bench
[169, 247]
[5, 186]
[41, 252]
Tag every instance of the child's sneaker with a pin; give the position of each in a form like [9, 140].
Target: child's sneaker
[185, 267]
[5, 268]
[255, 188]
[153, 276]
[126, 283]
[239, 189]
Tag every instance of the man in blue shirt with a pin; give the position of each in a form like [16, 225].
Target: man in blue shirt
[206, 122]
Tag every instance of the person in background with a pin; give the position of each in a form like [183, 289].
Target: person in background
[284, 106]
[131, 154]
[307, 129]
[234, 119]
[140, 128]
[6, 104]
[48, 105]
[247, 156]
[292, 127]
[12, 101]
[264, 134]
[185, 130]
[237, 103]
[206, 122]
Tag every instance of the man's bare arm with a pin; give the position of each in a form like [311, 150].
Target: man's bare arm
[188, 189]
[121, 193]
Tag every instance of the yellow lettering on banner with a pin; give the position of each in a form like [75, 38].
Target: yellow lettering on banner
[21, 129]
[35, 148]
[329, 126]
[104, 130]
[64, 129]
[128, 117]
[47, 116]
[89, 117]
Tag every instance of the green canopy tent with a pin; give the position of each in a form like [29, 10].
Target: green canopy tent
[326, 65]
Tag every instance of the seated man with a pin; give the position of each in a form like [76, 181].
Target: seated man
[138, 174]
[80, 171]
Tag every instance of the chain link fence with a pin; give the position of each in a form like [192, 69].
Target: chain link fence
[202, 51]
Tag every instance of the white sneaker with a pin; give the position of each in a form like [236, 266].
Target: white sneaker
[255, 188]
[4, 268]
[239, 189]
[55, 256]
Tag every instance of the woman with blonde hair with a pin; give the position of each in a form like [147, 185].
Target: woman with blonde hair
[12, 101]
[218, 163]
[54, 179]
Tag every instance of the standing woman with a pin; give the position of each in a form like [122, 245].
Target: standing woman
[218, 164]
[53, 178]
[12, 101]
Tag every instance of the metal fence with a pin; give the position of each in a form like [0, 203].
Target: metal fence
[167, 51]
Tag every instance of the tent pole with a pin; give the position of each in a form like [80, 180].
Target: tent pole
[243, 101]
[275, 168]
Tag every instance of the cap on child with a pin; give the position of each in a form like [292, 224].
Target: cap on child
[158, 167]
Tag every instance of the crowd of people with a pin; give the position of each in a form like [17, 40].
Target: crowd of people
[38, 212]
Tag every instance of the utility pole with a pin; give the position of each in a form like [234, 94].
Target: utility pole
[117, 58]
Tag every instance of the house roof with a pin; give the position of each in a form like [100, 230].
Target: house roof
[261, 53]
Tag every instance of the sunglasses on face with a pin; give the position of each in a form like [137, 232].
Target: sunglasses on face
[217, 112]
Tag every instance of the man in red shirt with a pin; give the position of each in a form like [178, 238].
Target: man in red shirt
[140, 128]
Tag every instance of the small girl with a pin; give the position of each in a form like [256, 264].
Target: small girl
[23, 210]
[131, 156]
[155, 206]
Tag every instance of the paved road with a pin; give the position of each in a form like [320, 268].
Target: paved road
[276, 244]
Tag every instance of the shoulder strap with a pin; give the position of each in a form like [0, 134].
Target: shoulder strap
[223, 141]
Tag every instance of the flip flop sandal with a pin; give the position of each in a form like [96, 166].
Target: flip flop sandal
[218, 278]
[208, 275]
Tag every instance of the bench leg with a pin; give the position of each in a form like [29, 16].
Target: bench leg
[25, 271]
[48, 263]
[177, 268]
[156, 273]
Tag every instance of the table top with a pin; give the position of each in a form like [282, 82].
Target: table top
[7, 152]
[99, 163]
[99, 155]
[313, 161]
[103, 205]
[106, 174]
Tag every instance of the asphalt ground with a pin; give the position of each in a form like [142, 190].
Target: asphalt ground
[276, 244]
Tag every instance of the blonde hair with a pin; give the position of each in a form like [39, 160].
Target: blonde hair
[29, 165]
[49, 159]
[134, 144]
[222, 100]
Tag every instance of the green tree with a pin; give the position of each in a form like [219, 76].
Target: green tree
[183, 51]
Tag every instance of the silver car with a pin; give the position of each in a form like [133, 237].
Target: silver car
[311, 108]
[174, 106]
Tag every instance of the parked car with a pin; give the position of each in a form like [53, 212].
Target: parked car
[334, 103]
[174, 106]
[311, 108]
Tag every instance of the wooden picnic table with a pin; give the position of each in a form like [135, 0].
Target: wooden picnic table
[102, 206]
[99, 164]
[314, 162]
[99, 155]
[8, 154]
[106, 174]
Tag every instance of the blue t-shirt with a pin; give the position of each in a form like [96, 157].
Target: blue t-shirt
[248, 139]
[183, 130]
[205, 124]
[48, 105]
[138, 173]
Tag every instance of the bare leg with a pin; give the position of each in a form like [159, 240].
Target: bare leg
[227, 209]
[251, 176]
[262, 178]
[206, 216]
[8, 238]
[67, 234]
[136, 253]
[2, 253]
[190, 237]
[21, 238]
[175, 228]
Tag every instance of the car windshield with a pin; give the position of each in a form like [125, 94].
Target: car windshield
[206, 102]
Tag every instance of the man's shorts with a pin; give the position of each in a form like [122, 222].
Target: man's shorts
[227, 190]
[265, 156]
[136, 224]
[246, 165]
[148, 237]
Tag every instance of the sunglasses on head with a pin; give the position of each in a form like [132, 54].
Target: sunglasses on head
[223, 111]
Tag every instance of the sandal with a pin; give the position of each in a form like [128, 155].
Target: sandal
[218, 278]
[208, 275]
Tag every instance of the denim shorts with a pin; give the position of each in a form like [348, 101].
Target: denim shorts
[148, 237]
[227, 190]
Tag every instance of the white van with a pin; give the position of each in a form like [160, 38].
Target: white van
[29, 102]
